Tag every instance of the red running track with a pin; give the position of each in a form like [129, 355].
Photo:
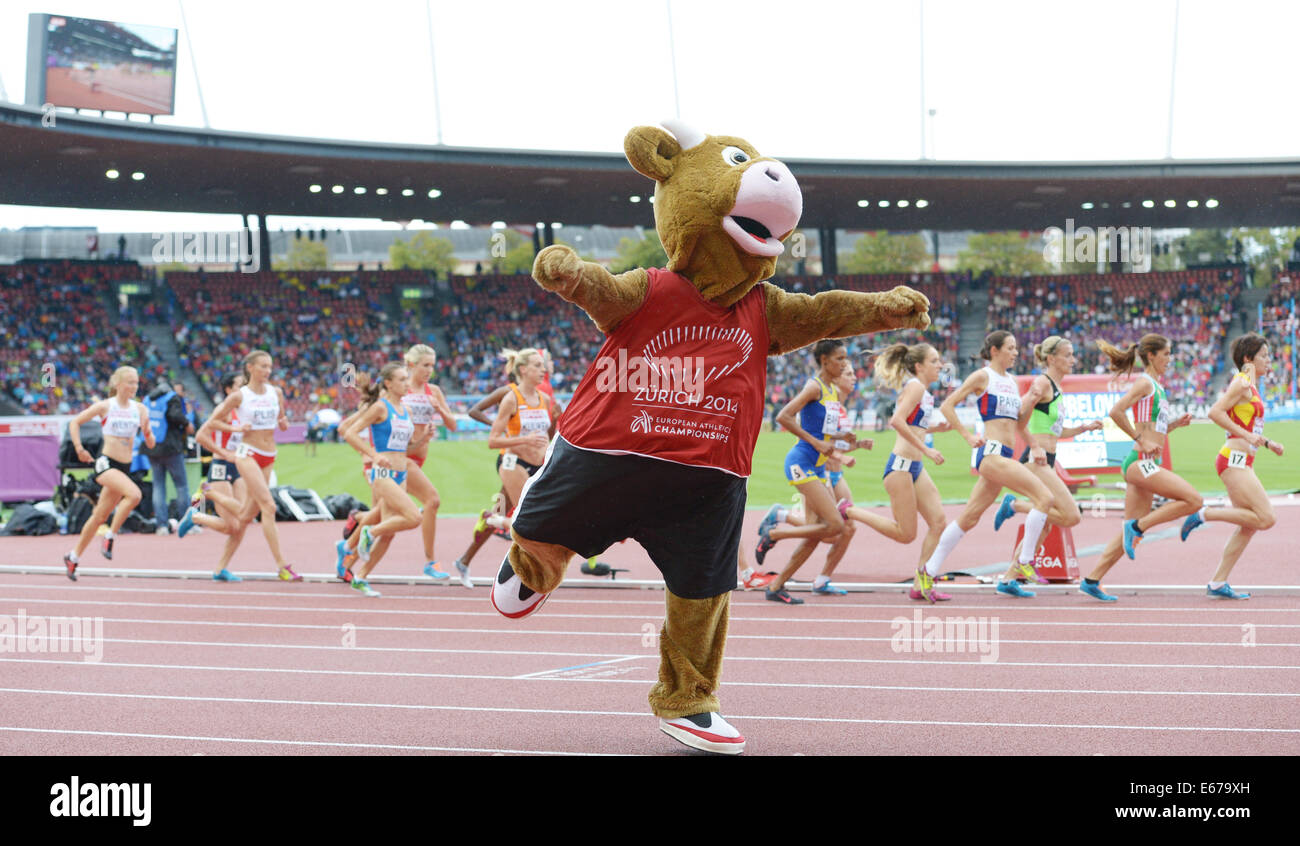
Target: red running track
[264, 667]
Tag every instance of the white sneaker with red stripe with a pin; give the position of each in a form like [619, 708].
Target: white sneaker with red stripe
[708, 732]
[509, 595]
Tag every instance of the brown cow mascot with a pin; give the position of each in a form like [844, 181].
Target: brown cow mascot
[657, 442]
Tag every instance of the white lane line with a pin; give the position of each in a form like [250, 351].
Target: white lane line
[585, 666]
[766, 717]
[1233, 626]
[938, 644]
[326, 743]
[730, 683]
[1092, 607]
[973, 662]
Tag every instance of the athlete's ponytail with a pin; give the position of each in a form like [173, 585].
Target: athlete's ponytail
[898, 361]
[248, 362]
[1247, 347]
[994, 341]
[1049, 346]
[516, 359]
[370, 392]
[1122, 361]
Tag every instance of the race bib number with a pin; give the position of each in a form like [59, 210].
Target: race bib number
[242, 451]
[796, 473]
[218, 473]
[842, 445]
[1148, 467]
[1163, 419]
[534, 420]
[101, 464]
[993, 448]
[508, 461]
[831, 424]
[1237, 458]
[901, 464]
[1057, 428]
[1258, 428]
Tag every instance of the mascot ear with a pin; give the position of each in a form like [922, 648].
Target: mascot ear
[650, 150]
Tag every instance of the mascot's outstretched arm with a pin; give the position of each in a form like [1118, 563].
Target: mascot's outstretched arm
[797, 320]
[606, 298]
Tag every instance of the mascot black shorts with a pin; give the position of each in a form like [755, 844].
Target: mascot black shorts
[687, 518]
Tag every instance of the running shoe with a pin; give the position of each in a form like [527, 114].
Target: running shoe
[1225, 592]
[1005, 512]
[187, 522]
[843, 507]
[775, 514]
[350, 526]
[1096, 592]
[765, 543]
[1192, 522]
[923, 588]
[341, 552]
[464, 574]
[106, 548]
[1030, 574]
[1013, 588]
[366, 543]
[1132, 536]
[349, 561]
[288, 575]
[226, 576]
[71, 565]
[758, 580]
[782, 595]
[482, 531]
[364, 587]
[431, 570]
[829, 589]
[707, 732]
[511, 597]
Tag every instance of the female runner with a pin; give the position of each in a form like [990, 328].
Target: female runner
[390, 435]
[521, 428]
[423, 402]
[1041, 409]
[260, 405]
[121, 417]
[1152, 423]
[813, 416]
[1241, 412]
[910, 370]
[994, 457]
[224, 486]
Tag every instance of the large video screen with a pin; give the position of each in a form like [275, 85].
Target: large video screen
[103, 65]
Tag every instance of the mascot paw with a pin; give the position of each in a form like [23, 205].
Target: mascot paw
[708, 732]
[510, 597]
[557, 266]
[906, 308]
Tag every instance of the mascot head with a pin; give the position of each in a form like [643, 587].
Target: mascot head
[721, 209]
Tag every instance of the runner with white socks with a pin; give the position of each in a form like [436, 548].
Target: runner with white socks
[1040, 409]
[993, 458]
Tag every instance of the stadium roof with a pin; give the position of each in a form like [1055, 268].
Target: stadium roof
[198, 170]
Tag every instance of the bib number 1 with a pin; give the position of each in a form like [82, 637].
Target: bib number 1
[901, 464]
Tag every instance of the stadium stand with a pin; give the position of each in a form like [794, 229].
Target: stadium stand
[58, 314]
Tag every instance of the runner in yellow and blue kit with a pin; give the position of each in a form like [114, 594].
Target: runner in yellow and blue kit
[816, 425]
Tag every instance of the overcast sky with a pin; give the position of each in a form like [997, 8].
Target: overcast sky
[815, 78]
